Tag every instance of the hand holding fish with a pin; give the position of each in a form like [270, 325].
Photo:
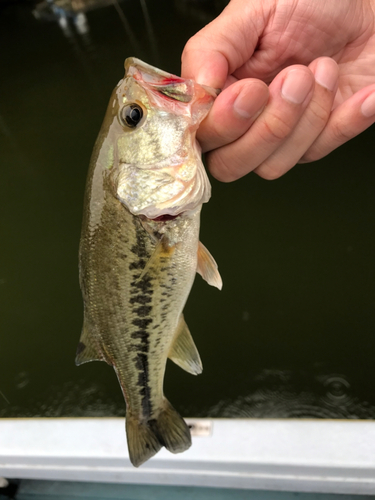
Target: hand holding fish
[318, 58]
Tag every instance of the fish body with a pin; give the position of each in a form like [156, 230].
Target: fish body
[140, 249]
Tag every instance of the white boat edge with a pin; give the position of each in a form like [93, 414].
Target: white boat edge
[320, 456]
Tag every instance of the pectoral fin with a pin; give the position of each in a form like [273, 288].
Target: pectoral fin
[207, 267]
[87, 349]
[183, 351]
[162, 250]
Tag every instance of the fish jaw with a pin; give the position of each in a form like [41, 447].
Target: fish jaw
[159, 170]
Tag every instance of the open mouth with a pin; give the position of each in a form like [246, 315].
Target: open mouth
[165, 217]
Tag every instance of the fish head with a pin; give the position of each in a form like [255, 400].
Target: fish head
[158, 169]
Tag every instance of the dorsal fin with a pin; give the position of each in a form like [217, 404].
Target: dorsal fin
[207, 267]
[183, 351]
[87, 350]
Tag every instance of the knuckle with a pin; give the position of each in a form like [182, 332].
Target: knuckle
[276, 129]
[219, 167]
[311, 155]
[317, 150]
[221, 136]
[193, 45]
[270, 172]
[320, 114]
[340, 131]
[212, 135]
[220, 133]
[268, 175]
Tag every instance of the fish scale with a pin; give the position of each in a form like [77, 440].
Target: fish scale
[136, 272]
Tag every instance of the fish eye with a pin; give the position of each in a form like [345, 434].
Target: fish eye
[131, 115]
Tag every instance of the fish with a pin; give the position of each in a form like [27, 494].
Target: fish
[140, 250]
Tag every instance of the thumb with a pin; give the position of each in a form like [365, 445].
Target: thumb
[208, 66]
[222, 46]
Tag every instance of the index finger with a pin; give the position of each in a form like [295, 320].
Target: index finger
[233, 113]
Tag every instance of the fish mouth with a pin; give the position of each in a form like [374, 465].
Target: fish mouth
[165, 217]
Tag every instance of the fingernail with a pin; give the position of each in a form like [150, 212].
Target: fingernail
[326, 73]
[368, 106]
[205, 77]
[250, 101]
[296, 86]
[201, 78]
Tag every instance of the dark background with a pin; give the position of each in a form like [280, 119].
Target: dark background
[292, 332]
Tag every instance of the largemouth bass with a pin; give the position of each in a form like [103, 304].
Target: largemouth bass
[140, 249]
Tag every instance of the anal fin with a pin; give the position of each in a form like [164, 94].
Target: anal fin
[207, 267]
[87, 349]
[183, 351]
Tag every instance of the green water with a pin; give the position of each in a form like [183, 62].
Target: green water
[292, 332]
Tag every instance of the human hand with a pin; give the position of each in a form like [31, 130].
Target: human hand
[318, 58]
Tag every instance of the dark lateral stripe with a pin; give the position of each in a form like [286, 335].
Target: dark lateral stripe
[143, 311]
[141, 292]
[142, 322]
[137, 265]
[140, 335]
[143, 285]
[140, 299]
[139, 249]
[142, 348]
[141, 363]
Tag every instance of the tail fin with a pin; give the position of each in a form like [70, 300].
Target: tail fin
[142, 442]
[146, 438]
